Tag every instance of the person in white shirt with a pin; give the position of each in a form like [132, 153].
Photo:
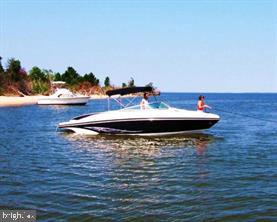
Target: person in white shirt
[144, 102]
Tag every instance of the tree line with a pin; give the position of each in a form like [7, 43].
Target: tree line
[14, 79]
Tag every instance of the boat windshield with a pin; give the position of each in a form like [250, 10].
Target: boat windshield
[62, 91]
[155, 105]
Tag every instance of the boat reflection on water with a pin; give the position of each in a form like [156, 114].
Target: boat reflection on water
[143, 164]
[142, 145]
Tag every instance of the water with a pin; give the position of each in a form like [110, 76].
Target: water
[229, 173]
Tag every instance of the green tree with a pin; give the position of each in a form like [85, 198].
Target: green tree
[1, 67]
[131, 82]
[13, 70]
[48, 74]
[1, 77]
[107, 82]
[124, 85]
[36, 74]
[70, 76]
[91, 78]
[57, 77]
[40, 80]
[40, 87]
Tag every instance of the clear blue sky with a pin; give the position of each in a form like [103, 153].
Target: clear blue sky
[181, 46]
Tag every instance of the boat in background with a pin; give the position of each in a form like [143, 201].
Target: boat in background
[63, 96]
[157, 119]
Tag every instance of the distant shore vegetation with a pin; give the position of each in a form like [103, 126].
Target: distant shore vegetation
[15, 80]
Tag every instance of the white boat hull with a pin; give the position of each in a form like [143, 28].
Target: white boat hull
[64, 101]
[142, 122]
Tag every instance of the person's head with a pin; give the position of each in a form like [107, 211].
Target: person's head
[201, 97]
[145, 96]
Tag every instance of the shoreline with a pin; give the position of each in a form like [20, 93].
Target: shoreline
[7, 101]
[13, 101]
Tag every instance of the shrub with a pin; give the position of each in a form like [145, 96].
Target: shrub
[40, 87]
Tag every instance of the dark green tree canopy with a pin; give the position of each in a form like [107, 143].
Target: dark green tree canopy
[107, 82]
[48, 74]
[1, 67]
[131, 82]
[57, 77]
[70, 76]
[13, 77]
[91, 78]
[37, 74]
[13, 69]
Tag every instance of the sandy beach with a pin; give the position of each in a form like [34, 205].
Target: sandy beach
[18, 101]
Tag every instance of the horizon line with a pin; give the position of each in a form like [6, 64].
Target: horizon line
[243, 92]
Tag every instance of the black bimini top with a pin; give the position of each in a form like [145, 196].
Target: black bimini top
[130, 90]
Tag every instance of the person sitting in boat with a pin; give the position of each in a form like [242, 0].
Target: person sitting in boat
[201, 104]
[144, 102]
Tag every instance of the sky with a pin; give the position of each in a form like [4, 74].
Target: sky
[180, 46]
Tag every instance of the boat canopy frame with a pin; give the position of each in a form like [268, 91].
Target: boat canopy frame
[128, 91]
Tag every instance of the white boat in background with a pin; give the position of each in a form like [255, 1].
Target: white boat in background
[63, 96]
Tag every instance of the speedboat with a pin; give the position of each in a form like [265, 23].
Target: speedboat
[63, 96]
[157, 118]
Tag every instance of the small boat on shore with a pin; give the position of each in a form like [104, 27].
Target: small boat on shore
[157, 119]
[63, 96]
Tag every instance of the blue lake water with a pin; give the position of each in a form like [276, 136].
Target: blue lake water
[228, 173]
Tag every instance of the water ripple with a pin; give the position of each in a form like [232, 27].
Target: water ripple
[226, 174]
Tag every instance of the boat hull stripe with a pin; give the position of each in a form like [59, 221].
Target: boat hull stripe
[135, 120]
[145, 126]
